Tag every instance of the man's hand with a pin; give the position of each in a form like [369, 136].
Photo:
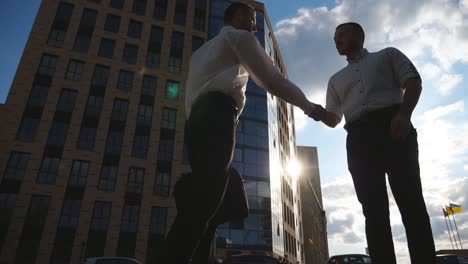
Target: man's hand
[318, 113]
[310, 108]
[400, 126]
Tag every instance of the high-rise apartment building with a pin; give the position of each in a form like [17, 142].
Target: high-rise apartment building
[314, 220]
[92, 136]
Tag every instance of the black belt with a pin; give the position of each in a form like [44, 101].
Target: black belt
[379, 116]
[216, 98]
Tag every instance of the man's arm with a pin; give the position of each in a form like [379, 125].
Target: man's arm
[410, 80]
[401, 123]
[261, 69]
[333, 114]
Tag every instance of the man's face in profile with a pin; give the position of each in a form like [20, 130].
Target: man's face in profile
[248, 20]
[346, 40]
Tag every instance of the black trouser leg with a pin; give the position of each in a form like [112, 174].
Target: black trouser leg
[365, 162]
[210, 138]
[405, 181]
[204, 251]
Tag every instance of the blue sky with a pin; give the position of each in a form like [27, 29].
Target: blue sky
[433, 33]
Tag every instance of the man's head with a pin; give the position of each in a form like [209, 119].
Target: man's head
[349, 38]
[241, 16]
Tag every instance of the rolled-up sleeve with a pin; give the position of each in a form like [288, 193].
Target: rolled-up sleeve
[402, 67]
[333, 103]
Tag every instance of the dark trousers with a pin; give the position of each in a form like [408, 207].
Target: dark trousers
[371, 154]
[210, 138]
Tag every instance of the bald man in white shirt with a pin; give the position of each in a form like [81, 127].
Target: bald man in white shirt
[377, 93]
[215, 96]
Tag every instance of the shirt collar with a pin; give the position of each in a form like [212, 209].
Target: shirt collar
[226, 27]
[361, 55]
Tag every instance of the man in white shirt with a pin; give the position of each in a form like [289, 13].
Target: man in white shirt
[377, 93]
[215, 96]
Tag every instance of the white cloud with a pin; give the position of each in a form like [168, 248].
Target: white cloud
[443, 111]
[442, 139]
[430, 71]
[448, 82]
[434, 34]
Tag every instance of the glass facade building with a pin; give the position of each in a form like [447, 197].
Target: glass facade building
[265, 144]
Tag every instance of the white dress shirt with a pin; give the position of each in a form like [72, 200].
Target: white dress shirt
[372, 81]
[225, 63]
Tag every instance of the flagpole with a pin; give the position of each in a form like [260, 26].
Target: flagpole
[458, 234]
[450, 236]
[450, 223]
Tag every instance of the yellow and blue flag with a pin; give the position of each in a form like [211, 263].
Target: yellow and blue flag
[455, 208]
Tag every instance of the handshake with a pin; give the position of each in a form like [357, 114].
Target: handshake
[315, 111]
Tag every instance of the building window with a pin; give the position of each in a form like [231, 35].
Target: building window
[140, 146]
[134, 29]
[118, 4]
[130, 218]
[176, 53]
[87, 138]
[196, 43]
[66, 101]
[38, 210]
[85, 30]
[158, 221]
[47, 65]
[101, 216]
[238, 155]
[185, 155]
[166, 150]
[172, 90]
[79, 173]
[100, 75]
[49, 170]
[135, 180]
[162, 184]
[60, 25]
[27, 129]
[145, 113]
[160, 10]
[154, 48]
[148, 86]
[94, 105]
[56, 38]
[169, 118]
[57, 134]
[107, 178]
[16, 166]
[106, 49]
[119, 110]
[74, 70]
[139, 7]
[114, 142]
[112, 23]
[199, 20]
[125, 80]
[130, 54]
[180, 13]
[7, 205]
[70, 215]
[28, 244]
[38, 95]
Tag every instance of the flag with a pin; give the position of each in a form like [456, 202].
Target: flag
[445, 212]
[449, 210]
[455, 208]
